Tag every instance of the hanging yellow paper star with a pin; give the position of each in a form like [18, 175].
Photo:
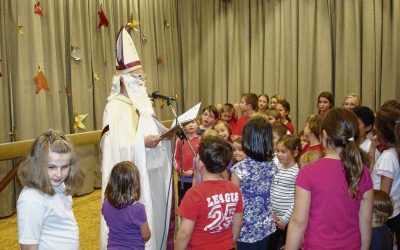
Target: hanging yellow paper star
[79, 120]
[133, 24]
[20, 29]
[96, 77]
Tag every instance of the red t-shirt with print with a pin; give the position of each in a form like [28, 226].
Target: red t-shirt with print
[211, 205]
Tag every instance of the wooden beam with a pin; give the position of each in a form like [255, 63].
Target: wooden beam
[19, 149]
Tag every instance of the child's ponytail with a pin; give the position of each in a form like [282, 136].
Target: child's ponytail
[341, 128]
[352, 161]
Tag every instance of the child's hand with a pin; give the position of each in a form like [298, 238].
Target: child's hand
[374, 142]
[188, 173]
[151, 141]
[280, 224]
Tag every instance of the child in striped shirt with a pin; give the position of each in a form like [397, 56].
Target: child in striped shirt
[283, 187]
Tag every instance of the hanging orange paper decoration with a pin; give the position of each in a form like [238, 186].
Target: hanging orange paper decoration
[38, 9]
[103, 19]
[41, 82]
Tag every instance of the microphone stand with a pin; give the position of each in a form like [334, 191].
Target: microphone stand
[182, 136]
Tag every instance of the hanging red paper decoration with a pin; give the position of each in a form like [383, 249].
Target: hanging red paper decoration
[38, 9]
[103, 19]
[41, 81]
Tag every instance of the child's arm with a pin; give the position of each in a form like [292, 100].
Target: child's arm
[365, 218]
[194, 181]
[236, 225]
[145, 231]
[184, 233]
[29, 247]
[235, 180]
[299, 219]
[282, 222]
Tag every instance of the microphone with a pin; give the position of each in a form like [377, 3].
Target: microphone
[157, 94]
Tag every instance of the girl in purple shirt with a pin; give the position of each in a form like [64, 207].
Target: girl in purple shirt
[333, 200]
[124, 214]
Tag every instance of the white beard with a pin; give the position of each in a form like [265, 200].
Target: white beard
[137, 93]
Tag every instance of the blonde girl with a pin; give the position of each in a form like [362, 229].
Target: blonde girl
[223, 130]
[50, 174]
[309, 156]
[351, 101]
[124, 214]
[273, 115]
[275, 99]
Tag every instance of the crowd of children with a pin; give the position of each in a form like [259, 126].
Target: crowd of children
[287, 181]
[245, 181]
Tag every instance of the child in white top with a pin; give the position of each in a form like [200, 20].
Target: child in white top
[386, 172]
[50, 174]
[366, 118]
[283, 187]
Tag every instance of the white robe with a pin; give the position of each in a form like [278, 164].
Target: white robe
[123, 143]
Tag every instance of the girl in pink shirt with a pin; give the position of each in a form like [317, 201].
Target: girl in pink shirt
[333, 199]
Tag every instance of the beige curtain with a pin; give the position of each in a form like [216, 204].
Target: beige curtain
[209, 50]
[75, 86]
[295, 48]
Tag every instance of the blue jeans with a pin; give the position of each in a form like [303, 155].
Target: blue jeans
[258, 245]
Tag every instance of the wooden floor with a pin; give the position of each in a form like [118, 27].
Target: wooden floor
[87, 213]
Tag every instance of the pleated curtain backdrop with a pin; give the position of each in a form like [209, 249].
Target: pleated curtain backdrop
[209, 50]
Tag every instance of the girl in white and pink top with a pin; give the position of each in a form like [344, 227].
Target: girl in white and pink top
[386, 172]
